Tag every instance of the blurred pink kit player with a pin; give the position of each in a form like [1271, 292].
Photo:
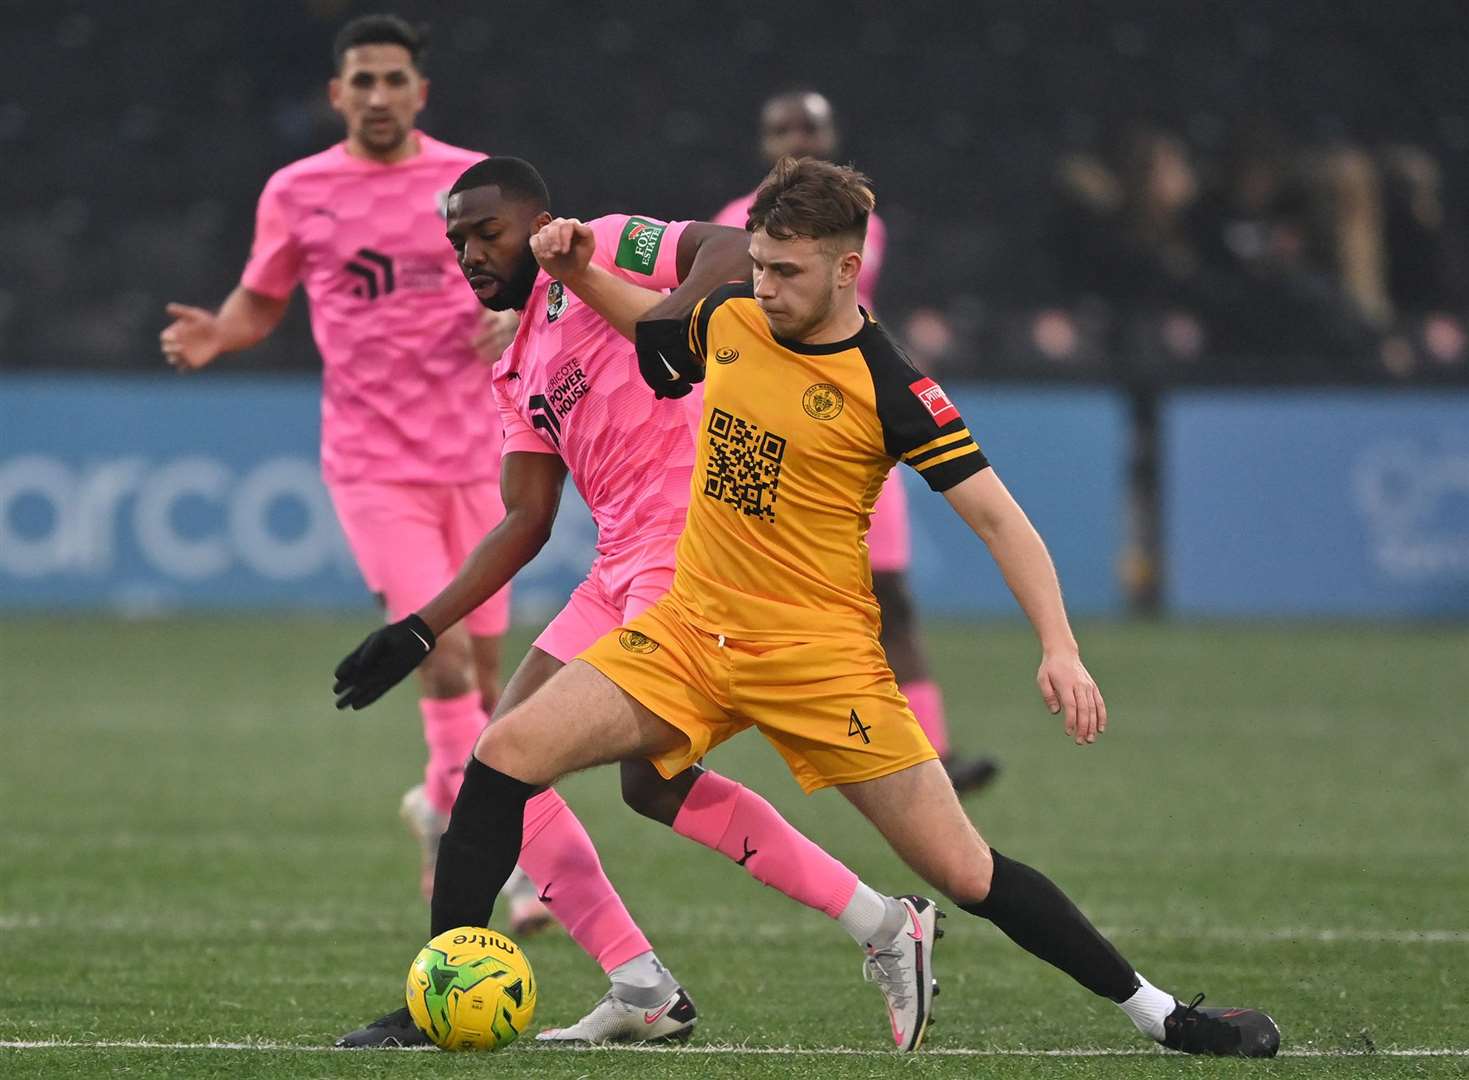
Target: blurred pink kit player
[410, 440]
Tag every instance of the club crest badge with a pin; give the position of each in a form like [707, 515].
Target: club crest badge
[634, 641]
[556, 301]
[823, 401]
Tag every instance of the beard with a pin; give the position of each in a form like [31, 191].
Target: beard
[385, 139]
[794, 331]
[514, 291]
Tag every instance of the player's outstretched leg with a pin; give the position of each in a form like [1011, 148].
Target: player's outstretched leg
[729, 818]
[580, 719]
[917, 811]
[644, 1003]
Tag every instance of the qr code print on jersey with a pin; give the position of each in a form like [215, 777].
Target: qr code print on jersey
[744, 465]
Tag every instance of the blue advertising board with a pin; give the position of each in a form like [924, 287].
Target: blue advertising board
[1314, 503]
[144, 494]
[1063, 454]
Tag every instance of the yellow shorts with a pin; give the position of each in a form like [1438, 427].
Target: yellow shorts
[832, 708]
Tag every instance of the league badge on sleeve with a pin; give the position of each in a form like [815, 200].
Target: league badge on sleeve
[556, 301]
[637, 248]
[935, 401]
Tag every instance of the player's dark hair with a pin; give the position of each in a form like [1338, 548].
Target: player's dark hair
[516, 178]
[381, 30]
[813, 199]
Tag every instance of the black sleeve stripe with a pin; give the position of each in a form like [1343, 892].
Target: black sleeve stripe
[930, 449]
[704, 311]
[941, 476]
[923, 466]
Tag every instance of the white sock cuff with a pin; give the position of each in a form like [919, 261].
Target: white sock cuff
[866, 913]
[1148, 1008]
[644, 971]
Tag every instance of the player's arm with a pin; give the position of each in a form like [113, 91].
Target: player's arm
[708, 256]
[564, 247]
[250, 313]
[197, 335]
[530, 487]
[996, 518]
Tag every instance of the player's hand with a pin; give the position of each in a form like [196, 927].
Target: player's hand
[563, 247]
[381, 662]
[664, 358]
[493, 335]
[1067, 686]
[192, 339]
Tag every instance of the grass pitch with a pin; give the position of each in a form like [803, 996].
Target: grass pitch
[202, 874]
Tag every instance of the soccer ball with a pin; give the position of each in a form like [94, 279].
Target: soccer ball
[471, 989]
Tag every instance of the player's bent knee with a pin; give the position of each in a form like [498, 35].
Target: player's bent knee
[511, 746]
[645, 790]
[448, 671]
[967, 878]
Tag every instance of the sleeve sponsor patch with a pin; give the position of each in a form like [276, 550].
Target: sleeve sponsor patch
[935, 401]
[637, 248]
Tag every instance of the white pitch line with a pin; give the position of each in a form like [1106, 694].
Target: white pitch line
[302, 923]
[765, 1051]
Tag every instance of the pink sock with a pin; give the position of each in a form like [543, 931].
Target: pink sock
[739, 824]
[927, 702]
[450, 727]
[557, 854]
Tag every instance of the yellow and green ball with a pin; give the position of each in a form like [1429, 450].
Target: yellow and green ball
[471, 989]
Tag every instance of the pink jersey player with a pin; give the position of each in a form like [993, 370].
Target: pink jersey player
[404, 395]
[409, 433]
[567, 386]
[410, 440]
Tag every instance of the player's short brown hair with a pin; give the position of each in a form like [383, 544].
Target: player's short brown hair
[381, 30]
[814, 199]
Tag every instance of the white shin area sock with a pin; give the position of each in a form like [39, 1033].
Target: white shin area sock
[1148, 1008]
[643, 972]
[871, 917]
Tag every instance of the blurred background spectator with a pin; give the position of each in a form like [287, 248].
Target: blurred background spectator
[1256, 192]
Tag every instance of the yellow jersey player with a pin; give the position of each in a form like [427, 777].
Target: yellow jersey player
[770, 622]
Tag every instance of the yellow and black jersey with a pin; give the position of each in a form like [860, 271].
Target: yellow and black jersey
[794, 445]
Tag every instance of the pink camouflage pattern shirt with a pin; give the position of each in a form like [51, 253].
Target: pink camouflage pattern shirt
[404, 397]
[569, 385]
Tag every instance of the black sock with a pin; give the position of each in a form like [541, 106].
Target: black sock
[480, 848]
[1038, 917]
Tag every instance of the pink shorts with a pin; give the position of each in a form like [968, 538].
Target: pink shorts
[594, 609]
[888, 546]
[410, 539]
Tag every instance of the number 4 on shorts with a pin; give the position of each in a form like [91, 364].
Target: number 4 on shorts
[856, 727]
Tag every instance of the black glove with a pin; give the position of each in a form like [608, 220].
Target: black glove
[381, 662]
[664, 358]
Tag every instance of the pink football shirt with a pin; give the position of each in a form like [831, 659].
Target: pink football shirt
[405, 399]
[569, 385]
[738, 212]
